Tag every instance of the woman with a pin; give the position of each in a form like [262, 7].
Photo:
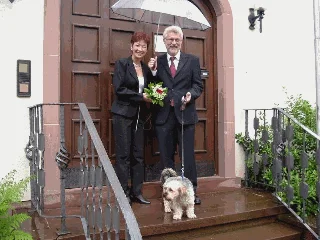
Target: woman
[129, 111]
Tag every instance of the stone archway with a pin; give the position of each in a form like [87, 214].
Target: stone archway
[225, 78]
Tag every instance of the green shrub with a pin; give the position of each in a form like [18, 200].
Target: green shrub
[12, 192]
[305, 113]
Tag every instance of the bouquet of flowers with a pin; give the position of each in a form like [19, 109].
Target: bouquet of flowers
[156, 93]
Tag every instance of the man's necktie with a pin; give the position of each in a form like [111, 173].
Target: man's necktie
[173, 73]
[172, 67]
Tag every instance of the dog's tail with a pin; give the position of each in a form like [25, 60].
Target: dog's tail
[167, 173]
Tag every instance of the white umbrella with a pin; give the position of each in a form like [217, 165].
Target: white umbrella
[186, 14]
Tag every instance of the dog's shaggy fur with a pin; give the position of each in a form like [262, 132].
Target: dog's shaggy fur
[178, 194]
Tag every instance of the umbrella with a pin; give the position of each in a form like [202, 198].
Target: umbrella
[168, 12]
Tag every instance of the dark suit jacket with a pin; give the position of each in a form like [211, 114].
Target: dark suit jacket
[187, 79]
[126, 88]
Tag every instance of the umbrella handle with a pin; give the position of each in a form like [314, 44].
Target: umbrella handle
[155, 44]
[182, 147]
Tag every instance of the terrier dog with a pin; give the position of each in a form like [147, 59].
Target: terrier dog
[177, 193]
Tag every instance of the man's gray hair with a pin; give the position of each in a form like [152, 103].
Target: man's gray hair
[174, 29]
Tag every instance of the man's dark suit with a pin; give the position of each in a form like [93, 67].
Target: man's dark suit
[129, 141]
[168, 119]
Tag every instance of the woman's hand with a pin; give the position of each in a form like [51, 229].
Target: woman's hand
[145, 98]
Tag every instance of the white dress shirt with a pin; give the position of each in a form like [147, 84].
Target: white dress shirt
[141, 84]
[175, 61]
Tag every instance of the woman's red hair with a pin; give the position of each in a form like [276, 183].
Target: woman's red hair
[138, 36]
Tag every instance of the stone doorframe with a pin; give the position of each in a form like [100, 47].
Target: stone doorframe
[224, 76]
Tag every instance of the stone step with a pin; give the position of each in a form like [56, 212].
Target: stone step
[267, 231]
[219, 210]
[151, 190]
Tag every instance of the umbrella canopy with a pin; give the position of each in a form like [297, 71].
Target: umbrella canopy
[167, 12]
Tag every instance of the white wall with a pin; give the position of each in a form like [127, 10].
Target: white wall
[282, 55]
[21, 25]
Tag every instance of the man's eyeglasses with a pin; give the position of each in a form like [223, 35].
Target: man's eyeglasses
[174, 39]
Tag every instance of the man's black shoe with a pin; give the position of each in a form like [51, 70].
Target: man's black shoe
[197, 200]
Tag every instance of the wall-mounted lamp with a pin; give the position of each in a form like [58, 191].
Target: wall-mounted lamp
[11, 1]
[252, 17]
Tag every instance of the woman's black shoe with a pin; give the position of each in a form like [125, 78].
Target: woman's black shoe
[139, 199]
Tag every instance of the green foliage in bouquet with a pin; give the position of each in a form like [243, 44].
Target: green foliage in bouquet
[12, 192]
[156, 92]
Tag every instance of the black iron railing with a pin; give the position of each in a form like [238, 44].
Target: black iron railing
[99, 218]
[284, 157]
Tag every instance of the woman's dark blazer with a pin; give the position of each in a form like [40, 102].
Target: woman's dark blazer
[126, 88]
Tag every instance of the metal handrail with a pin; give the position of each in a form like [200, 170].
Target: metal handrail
[127, 212]
[298, 123]
[36, 146]
[306, 129]
[281, 156]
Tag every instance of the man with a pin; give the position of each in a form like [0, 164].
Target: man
[181, 74]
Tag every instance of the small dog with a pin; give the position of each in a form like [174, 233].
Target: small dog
[177, 194]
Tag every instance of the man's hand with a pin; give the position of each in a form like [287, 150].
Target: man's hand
[145, 98]
[186, 99]
[152, 64]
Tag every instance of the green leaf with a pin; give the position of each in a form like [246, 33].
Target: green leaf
[20, 235]
[12, 192]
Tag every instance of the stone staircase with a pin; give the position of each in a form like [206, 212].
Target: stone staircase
[227, 212]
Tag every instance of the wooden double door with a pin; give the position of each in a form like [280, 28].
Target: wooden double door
[92, 39]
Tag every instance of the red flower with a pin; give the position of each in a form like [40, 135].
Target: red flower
[159, 91]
